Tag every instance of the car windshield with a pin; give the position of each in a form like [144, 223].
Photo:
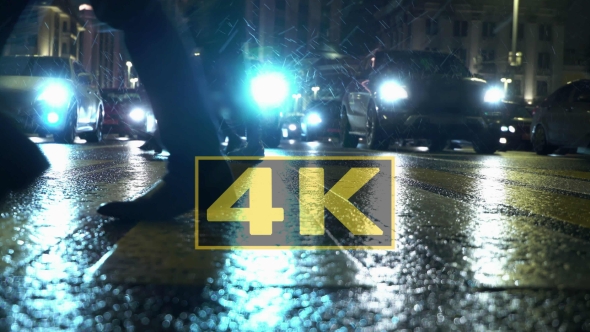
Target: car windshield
[35, 66]
[422, 64]
[117, 97]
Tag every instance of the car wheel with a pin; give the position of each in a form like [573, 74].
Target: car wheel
[437, 145]
[376, 137]
[94, 136]
[272, 139]
[347, 140]
[486, 144]
[68, 134]
[540, 144]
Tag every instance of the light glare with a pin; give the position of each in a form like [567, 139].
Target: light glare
[391, 91]
[137, 114]
[270, 89]
[493, 95]
[314, 119]
[52, 117]
[55, 95]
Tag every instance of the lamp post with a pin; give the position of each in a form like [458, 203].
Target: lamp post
[134, 81]
[506, 81]
[514, 57]
[129, 65]
[296, 96]
[315, 90]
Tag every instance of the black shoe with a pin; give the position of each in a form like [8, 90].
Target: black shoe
[159, 203]
[151, 145]
[234, 143]
[172, 197]
[147, 146]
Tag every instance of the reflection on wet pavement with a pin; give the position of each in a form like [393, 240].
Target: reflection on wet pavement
[482, 243]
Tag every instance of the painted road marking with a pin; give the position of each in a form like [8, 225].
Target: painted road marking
[565, 208]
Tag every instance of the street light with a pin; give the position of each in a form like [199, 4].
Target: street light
[296, 96]
[315, 90]
[134, 81]
[129, 65]
[506, 81]
[514, 57]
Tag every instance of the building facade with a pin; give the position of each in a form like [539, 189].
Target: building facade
[480, 34]
[102, 52]
[61, 29]
[46, 28]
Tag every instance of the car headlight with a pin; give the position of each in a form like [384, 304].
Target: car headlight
[391, 91]
[137, 114]
[292, 127]
[270, 89]
[511, 129]
[314, 119]
[52, 117]
[504, 128]
[493, 95]
[55, 95]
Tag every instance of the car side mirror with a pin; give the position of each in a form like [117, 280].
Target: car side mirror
[85, 79]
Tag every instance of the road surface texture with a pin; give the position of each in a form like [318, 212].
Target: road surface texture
[483, 243]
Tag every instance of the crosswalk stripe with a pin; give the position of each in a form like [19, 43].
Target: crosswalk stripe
[557, 206]
[163, 253]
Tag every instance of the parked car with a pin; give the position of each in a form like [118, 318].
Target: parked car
[291, 126]
[321, 119]
[562, 120]
[516, 127]
[128, 112]
[419, 95]
[51, 96]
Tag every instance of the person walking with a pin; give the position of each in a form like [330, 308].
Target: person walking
[182, 108]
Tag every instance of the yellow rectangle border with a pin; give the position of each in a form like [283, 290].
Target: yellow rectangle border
[294, 158]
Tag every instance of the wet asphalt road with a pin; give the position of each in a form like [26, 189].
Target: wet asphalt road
[483, 243]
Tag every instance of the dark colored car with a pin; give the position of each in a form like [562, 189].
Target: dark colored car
[419, 95]
[321, 119]
[562, 120]
[128, 112]
[291, 126]
[516, 127]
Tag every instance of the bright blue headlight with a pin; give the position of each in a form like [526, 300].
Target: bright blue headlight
[52, 117]
[270, 89]
[314, 119]
[55, 95]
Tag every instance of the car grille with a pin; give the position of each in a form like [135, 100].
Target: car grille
[451, 101]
